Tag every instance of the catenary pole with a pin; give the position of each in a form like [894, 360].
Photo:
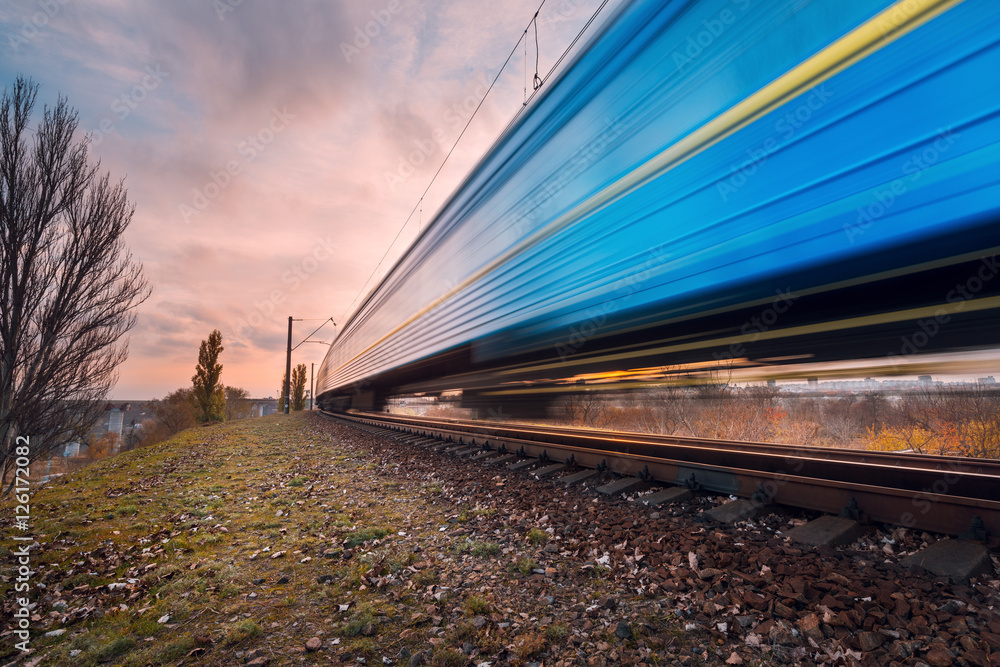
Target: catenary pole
[288, 364]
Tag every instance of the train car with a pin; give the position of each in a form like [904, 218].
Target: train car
[711, 180]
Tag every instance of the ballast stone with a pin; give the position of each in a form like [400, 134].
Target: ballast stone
[731, 512]
[827, 530]
[957, 559]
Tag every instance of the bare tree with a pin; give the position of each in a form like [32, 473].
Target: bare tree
[174, 413]
[711, 400]
[237, 403]
[873, 411]
[663, 410]
[68, 285]
[583, 409]
[754, 413]
[841, 423]
[962, 421]
[979, 422]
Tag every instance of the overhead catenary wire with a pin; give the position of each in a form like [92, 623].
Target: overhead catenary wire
[536, 83]
[441, 166]
[524, 99]
[558, 62]
[496, 78]
[329, 319]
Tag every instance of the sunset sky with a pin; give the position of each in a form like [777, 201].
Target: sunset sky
[274, 149]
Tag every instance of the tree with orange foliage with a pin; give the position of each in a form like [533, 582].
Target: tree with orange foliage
[103, 447]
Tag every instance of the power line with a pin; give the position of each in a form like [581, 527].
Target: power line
[329, 319]
[443, 162]
[537, 83]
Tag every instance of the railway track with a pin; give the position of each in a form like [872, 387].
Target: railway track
[949, 495]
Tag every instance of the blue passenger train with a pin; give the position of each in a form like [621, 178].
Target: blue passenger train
[711, 180]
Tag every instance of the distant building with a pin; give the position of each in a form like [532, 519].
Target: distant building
[262, 407]
[123, 419]
[772, 383]
[925, 379]
[813, 383]
[986, 380]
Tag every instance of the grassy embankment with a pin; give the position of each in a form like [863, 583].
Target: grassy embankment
[222, 539]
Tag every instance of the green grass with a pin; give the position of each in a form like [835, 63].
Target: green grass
[359, 537]
[184, 566]
[116, 648]
[240, 632]
[449, 657]
[175, 650]
[557, 633]
[485, 549]
[361, 622]
[424, 578]
[523, 565]
[477, 606]
[537, 536]
[363, 646]
[477, 548]
[598, 571]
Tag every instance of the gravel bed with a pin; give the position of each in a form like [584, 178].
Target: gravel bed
[637, 585]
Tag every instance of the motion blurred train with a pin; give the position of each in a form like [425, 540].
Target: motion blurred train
[709, 182]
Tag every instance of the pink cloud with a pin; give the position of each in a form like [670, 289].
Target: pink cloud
[303, 223]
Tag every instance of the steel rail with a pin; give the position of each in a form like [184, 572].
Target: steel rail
[937, 494]
[568, 434]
